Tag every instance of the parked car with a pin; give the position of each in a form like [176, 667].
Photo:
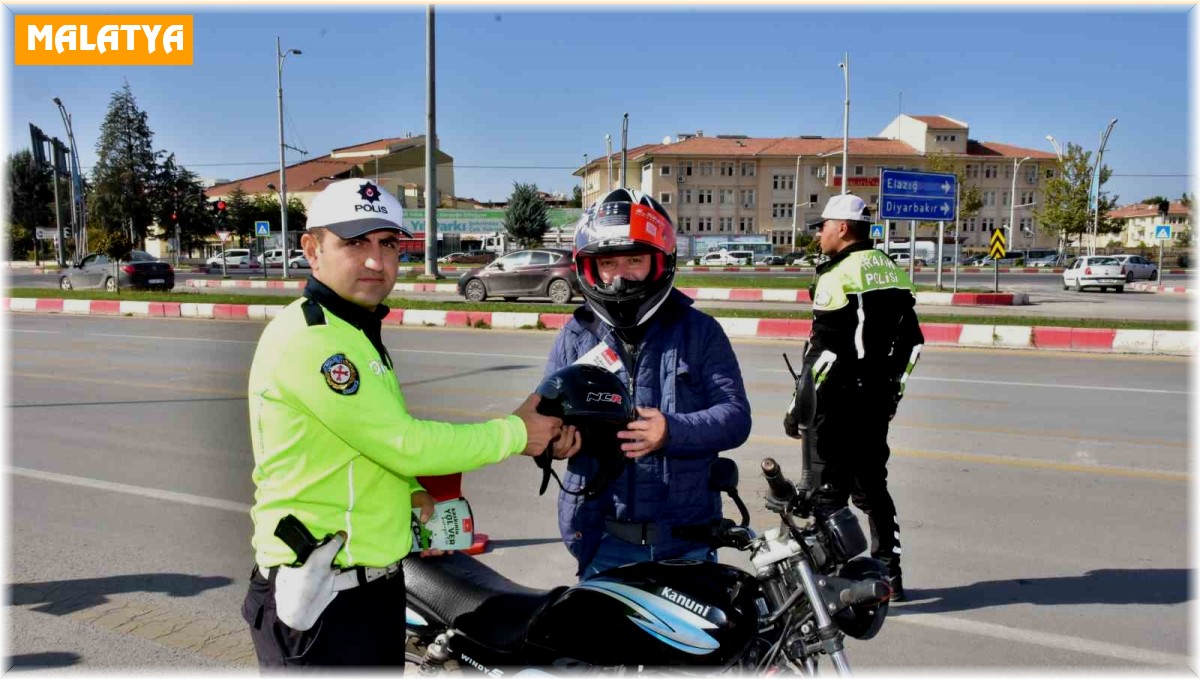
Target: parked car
[726, 258]
[1094, 272]
[901, 259]
[1136, 266]
[141, 270]
[275, 257]
[233, 257]
[973, 260]
[300, 262]
[771, 260]
[804, 259]
[1050, 261]
[476, 257]
[527, 273]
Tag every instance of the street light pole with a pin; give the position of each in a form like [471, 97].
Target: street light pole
[795, 201]
[1057, 149]
[845, 66]
[279, 57]
[1012, 199]
[1096, 184]
[78, 216]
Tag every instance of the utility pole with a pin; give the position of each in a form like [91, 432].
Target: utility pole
[283, 208]
[845, 66]
[431, 190]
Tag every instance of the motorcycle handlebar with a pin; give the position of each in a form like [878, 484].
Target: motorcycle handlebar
[865, 592]
[781, 488]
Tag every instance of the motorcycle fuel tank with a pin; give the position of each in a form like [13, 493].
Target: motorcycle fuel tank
[665, 613]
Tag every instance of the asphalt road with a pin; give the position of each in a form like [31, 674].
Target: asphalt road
[1043, 497]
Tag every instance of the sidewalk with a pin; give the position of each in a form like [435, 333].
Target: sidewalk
[1150, 287]
[1102, 340]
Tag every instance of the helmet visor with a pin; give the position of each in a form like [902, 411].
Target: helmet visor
[622, 226]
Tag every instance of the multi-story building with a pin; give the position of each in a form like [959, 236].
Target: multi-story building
[737, 184]
[1138, 222]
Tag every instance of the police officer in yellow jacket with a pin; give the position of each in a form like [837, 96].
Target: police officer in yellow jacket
[865, 342]
[336, 448]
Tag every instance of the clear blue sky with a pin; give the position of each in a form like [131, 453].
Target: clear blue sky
[531, 87]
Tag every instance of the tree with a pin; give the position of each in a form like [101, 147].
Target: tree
[30, 203]
[577, 196]
[179, 200]
[1186, 200]
[526, 218]
[126, 163]
[970, 198]
[117, 246]
[1155, 200]
[241, 213]
[1066, 199]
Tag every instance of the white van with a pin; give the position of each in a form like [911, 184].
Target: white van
[232, 257]
[274, 257]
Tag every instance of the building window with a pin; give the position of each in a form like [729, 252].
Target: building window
[664, 171]
[1049, 174]
[1026, 225]
[972, 172]
[783, 182]
[747, 169]
[837, 170]
[747, 198]
[812, 199]
[1004, 197]
[685, 168]
[989, 171]
[746, 224]
[704, 196]
[704, 224]
[781, 210]
[989, 198]
[1026, 197]
[970, 224]
[1008, 171]
[685, 223]
[726, 169]
[874, 199]
[859, 170]
[664, 198]
[706, 168]
[1031, 175]
[727, 195]
[727, 224]
[684, 195]
[987, 224]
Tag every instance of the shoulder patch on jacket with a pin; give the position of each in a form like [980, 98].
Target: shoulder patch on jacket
[340, 374]
[313, 313]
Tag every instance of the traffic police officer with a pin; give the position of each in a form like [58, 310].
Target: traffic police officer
[335, 447]
[865, 342]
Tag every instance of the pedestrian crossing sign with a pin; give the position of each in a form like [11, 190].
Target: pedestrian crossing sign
[1162, 232]
[262, 228]
[877, 231]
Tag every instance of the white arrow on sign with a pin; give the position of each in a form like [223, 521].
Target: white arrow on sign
[945, 187]
[945, 209]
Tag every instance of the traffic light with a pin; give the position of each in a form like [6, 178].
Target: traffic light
[1164, 207]
[218, 207]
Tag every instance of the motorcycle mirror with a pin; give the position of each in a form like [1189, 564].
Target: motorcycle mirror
[723, 475]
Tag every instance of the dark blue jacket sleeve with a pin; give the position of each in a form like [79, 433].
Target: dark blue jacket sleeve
[558, 358]
[725, 423]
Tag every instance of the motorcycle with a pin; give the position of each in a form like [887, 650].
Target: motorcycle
[811, 587]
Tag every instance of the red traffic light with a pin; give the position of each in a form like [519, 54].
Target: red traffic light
[221, 205]
[174, 217]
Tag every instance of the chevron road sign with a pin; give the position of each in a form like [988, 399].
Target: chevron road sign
[997, 250]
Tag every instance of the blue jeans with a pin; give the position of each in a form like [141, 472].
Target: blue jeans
[615, 552]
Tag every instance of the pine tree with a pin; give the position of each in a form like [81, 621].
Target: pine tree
[30, 203]
[526, 218]
[123, 177]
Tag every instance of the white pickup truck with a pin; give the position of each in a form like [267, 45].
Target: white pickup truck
[1094, 272]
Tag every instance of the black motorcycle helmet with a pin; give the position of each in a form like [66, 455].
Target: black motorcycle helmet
[862, 621]
[625, 222]
[597, 403]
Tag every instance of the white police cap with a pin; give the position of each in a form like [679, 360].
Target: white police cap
[353, 207]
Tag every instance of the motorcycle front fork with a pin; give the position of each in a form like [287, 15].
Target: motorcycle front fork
[827, 630]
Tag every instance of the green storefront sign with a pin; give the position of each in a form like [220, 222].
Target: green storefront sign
[483, 221]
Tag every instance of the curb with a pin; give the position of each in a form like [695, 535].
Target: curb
[963, 269]
[1102, 340]
[707, 294]
[1149, 287]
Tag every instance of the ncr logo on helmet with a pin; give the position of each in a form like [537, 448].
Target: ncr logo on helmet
[370, 195]
[603, 397]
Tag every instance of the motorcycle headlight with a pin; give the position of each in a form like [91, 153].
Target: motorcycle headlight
[845, 534]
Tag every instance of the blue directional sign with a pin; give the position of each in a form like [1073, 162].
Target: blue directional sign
[262, 228]
[877, 231]
[1162, 232]
[921, 196]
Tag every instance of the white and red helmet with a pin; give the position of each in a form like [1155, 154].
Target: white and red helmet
[625, 222]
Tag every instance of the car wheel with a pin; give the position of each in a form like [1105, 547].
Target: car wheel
[475, 291]
[1078, 286]
[510, 299]
[1129, 277]
[1153, 275]
[1065, 286]
[560, 291]
[65, 283]
[1120, 288]
[110, 284]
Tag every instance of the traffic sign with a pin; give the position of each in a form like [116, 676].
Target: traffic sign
[998, 249]
[1162, 232]
[262, 228]
[223, 235]
[45, 233]
[924, 196]
[877, 231]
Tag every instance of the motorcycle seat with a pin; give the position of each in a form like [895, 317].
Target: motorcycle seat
[477, 601]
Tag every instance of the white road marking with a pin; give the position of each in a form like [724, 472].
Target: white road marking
[936, 621]
[177, 339]
[1060, 642]
[1085, 387]
[155, 493]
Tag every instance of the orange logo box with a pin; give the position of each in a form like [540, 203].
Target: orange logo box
[103, 39]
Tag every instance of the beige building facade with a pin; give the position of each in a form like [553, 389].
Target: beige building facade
[746, 185]
[1138, 224]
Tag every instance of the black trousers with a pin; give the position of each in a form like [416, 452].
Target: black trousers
[851, 462]
[362, 627]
